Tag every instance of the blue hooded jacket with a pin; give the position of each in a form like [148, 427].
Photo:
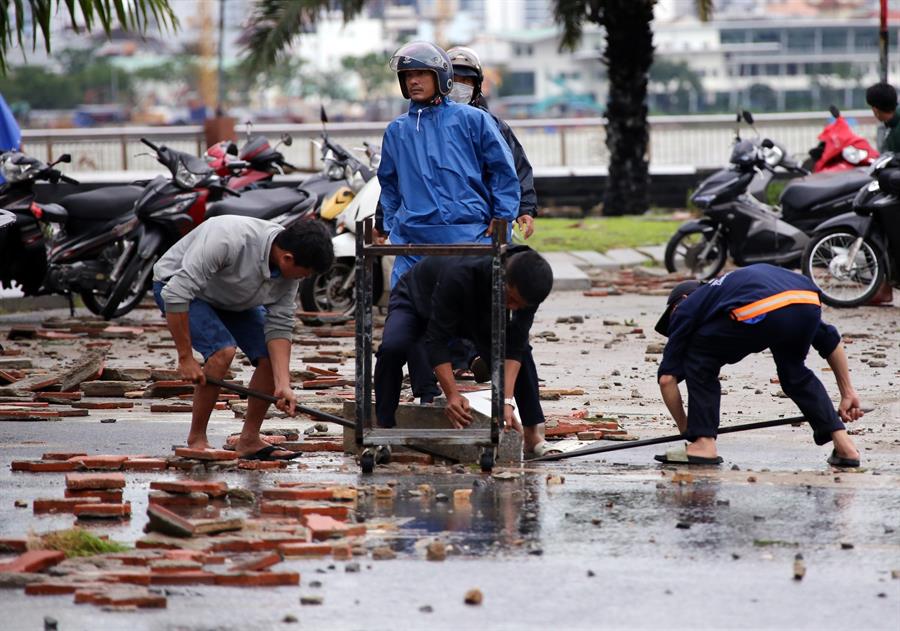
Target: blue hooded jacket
[445, 173]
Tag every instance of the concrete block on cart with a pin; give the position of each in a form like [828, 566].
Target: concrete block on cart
[411, 416]
[566, 273]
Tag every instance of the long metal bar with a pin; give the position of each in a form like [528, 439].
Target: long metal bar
[599, 449]
[366, 295]
[428, 250]
[498, 331]
[360, 273]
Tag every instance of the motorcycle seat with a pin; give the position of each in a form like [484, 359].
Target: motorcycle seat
[101, 204]
[264, 203]
[809, 191]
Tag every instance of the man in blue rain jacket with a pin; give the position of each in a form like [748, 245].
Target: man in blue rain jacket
[446, 172]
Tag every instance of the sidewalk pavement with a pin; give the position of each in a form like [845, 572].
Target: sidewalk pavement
[568, 267]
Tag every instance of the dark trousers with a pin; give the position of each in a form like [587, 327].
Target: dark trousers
[402, 343]
[788, 332]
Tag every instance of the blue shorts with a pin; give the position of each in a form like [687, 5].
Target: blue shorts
[214, 329]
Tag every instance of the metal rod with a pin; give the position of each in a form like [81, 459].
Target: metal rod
[325, 416]
[360, 329]
[599, 449]
[427, 250]
[498, 331]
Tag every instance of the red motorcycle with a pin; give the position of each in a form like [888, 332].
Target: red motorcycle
[256, 162]
[840, 148]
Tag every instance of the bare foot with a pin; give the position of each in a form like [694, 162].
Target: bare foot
[201, 443]
[531, 436]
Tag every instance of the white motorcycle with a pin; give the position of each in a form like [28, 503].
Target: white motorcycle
[334, 290]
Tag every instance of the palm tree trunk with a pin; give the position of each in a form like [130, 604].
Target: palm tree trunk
[628, 55]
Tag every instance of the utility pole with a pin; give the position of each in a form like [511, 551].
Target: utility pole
[220, 74]
[883, 41]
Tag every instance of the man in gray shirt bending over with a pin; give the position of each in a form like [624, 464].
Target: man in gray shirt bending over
[232, 282]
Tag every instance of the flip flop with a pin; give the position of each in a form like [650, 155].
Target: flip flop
[839, 461]
[265, 454]
[543, 448]
[679, 455]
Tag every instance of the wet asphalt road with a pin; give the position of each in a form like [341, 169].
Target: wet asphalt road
[529, 545]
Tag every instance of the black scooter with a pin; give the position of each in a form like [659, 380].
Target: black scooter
[737, 223]
[851, 256]
[65, 248]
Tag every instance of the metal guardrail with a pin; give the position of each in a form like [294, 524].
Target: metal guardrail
[696, 141]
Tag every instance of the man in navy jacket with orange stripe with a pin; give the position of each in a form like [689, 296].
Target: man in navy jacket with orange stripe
[747, 311]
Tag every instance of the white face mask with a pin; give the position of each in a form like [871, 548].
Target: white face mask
[461, 92]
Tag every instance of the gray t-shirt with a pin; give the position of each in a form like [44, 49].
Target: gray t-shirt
[225, 262]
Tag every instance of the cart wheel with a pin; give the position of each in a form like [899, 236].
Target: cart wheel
[487, 461]
[383, 454]
[367, 461]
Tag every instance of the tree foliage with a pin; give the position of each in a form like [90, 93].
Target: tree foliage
[84, 15]
[274, 25]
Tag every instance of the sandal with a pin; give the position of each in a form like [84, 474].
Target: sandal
[543, 448]
[266, 454]
[679, 455]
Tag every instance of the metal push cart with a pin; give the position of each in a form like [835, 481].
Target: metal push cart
[368, 438]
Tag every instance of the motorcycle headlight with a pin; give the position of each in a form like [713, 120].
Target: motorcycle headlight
[335, 172]
[11, 170]
[186, 178]
[853, 155]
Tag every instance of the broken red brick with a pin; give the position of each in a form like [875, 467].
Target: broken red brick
[62, 455]
[13, 544]
[57, 587]
[165, 521]
[258, 579]
[33, 561]
[104, 496]
[60, 505]
[120, 597]
[191, 577]
[262, 465]
[297, 494]
[103, 511]
[57, 397]
[106, 388]
[401, 458]
[272, 440]
[213, 489]
[80, 481]
[305, 549]
[102, 405]
[174, 565]
[45, 466]
[591, 435]
[145, 464]
[101, 463]
[342, 552]
[258, 564]
[309, 446]
[168, 389]
[178, 499]
[340, 512]
[323, 527]
[28, 414]
[160, 408]
[205, 454]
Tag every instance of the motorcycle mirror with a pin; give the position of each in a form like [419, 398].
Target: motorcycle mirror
[768, 144]
[322, 115]
[748, 117]
[737, 118]
[66, 157]
[287, 139]
[834, 111]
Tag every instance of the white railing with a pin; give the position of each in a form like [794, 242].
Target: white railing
[692, 141]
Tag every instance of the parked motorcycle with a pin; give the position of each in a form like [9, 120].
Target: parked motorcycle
[171, 207]
[851, 256]
[65, 248]
[254, 165]
[342, 175]
[751, 231]
[840, 148]
[334, 290]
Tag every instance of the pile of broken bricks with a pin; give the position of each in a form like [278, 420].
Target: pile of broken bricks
[636, 280]
[89, 496]
[294, 520]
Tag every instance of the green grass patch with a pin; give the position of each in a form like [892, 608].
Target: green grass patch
[77, 542]
[600, 233]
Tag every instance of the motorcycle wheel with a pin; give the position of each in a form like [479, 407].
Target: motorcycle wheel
[125, 294]
[841, 283]
[326, 292]
[683, 255]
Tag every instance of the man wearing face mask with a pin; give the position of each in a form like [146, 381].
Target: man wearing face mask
[468, 77]
[446, 173]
